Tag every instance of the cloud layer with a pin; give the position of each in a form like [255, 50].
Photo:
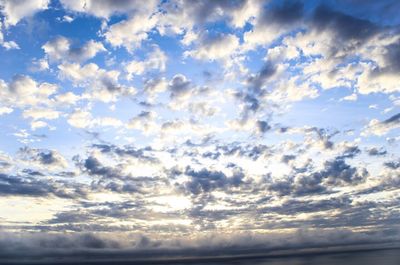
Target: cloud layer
[145, 129]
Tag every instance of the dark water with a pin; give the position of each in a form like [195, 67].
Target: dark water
[375, 257]
[379, 257]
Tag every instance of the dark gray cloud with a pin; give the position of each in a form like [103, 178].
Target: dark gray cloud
[392, 164]
[306, 181]
[180, 86]
[283, 12]
[376, 152]
[345, 26]
[395, 119]
[339, 172]
[87, 247]
[287, 158]
[294, 206]
[203, 12]
[324, 136]
[205, 180]
[382, 12]
[92, 166]
[113, 179]
[43, 156]
[263, 126]
[31, 186]
[258, 80]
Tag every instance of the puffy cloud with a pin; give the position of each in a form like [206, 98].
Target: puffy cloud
[235, 140]
[36, 124]
[45, 158]
[9, 45]
[180, 86]
[39, 65]
[215, 47]
[132, 32]
[379, 128]
[376, 152]
[33, 187]
[14, 11]
[23, 91]
[203, 109]
[144, 121]
[62, 48]
[5, 110]
[101, 84]
[274, 21]
[180, 16]
[206, 180]
[37, 114]
[83, 119]
[156, 60]
[155, 85]
[80, 119]
[68, 98]
[107, 8]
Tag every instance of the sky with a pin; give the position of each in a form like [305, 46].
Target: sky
[149, 129]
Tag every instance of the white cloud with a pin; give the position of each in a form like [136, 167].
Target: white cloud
[38, 124]
[37, 114]
[215, 48]
[107, 122]
[180, 86]
[62, 48]
[39, 65]
[16, 10]
[10, 45]
[132, 32]
[100, 84]
[380, 128]
[155, 86]
[84, 119]
[352, 97]
[145, 122]
[24, 91]
[107, 8]
[68, 98]
[67, 19]
[372, 80]
[155, 60]
[80, 119]
[5, 110]
[79, 75]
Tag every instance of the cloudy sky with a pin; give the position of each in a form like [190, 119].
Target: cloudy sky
[144, 128]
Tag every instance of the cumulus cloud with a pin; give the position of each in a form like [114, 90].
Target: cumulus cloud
[14, 11]
[215, 47]
[80, 119]
[45, 158]
[5, 110]
[62, 48]
[180, 86]
[24, 91]
[199, 119]
[130, 33]
[31, 186]
[156, 60]
[377, 127]
[108, 8]
[101, 84]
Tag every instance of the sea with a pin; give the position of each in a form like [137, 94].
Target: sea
[370, 257]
